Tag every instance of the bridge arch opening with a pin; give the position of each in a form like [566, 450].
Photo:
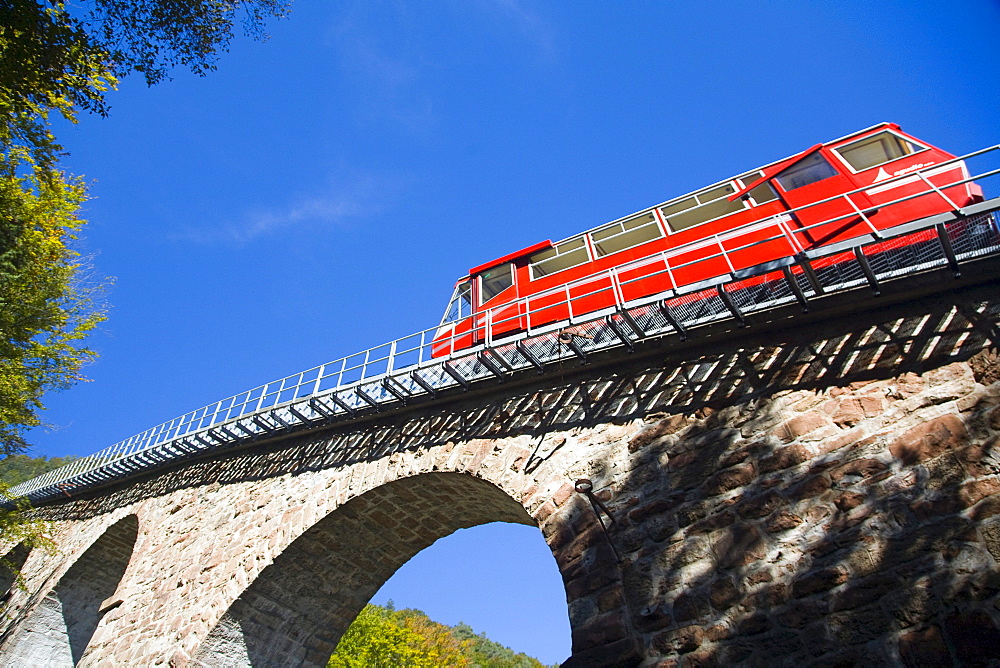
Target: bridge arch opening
[296, 610]
[10, 565]
[62, 626]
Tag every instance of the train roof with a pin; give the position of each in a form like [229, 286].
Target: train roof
[548, 243]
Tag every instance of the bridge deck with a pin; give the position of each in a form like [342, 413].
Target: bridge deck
[390, 376]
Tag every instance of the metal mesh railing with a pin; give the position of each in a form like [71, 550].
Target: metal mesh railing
[394, 373]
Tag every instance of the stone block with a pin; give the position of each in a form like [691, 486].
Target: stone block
[991, 537]
[740, 545]
[782, 521]
[809, 488]
[689, 606]
[651, 509]
[859, 626]
[863, 592]
[801, 425]
[973, 492]
[755, 624]
[925, 647]
[652, 432]
[944, 471]
[857, 468]
[729, 479]
[785, 457]
[723, 594]
[818, 580]
[974, 637]
[713, 522]
[930, 439]
[679, 641]
[760, 505]
[705, 658]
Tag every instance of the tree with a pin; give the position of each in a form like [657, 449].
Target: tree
[46, 305]
[61, 58]
[383, 637]
[15, 469]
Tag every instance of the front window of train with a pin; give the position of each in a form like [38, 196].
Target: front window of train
[806, 171]
[460, 305]
[877, 150]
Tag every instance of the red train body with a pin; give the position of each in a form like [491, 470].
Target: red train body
[831, 193]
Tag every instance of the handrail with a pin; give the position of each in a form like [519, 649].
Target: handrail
[307, 396]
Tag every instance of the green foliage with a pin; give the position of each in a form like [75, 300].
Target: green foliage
[47, 63]
[383, 637]
[63, 57]
[153, 36]
[60, 57]
[487, 653]
[45, 308]
[18, 528]
[380, 637]
[15, 469]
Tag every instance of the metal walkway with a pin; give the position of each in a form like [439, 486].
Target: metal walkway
[390, 376]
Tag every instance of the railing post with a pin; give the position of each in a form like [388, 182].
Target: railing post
[861, 213]
[954, 209]
[392, 356]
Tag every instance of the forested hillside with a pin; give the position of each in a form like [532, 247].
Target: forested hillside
[383, 637]
[15, 469]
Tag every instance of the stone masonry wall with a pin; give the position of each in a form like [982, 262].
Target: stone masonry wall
[826, 493]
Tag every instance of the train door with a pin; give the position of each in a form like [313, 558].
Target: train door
[813, 177]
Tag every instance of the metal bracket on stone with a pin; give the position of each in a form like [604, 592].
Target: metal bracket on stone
[568, 339]
[586, 487]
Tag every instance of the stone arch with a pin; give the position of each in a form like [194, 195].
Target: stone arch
[61, 627]
[296, 610]
[10, 565]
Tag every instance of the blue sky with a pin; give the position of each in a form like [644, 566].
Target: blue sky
[321, 192]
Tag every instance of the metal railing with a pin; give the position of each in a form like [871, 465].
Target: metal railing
[396, 372]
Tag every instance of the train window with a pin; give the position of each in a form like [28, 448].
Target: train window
[495, 281]
[564, 256]
[626, 234]
[702, 207]
[460, 305]
[762, 193]
[877, 150]
[809, 169]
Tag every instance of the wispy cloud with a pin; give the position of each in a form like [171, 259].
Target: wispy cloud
[335, 206]
[533, 28]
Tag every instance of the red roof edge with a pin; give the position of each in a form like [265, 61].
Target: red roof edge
[512, 256]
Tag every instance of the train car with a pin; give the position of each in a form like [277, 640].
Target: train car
[832, 193]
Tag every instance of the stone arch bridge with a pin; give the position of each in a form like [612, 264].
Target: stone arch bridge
[808, 489]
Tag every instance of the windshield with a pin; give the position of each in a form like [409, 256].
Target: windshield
[460, 305]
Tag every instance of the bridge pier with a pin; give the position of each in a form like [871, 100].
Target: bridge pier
[822, 490]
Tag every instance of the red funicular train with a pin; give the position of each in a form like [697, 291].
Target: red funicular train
[831, 193]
